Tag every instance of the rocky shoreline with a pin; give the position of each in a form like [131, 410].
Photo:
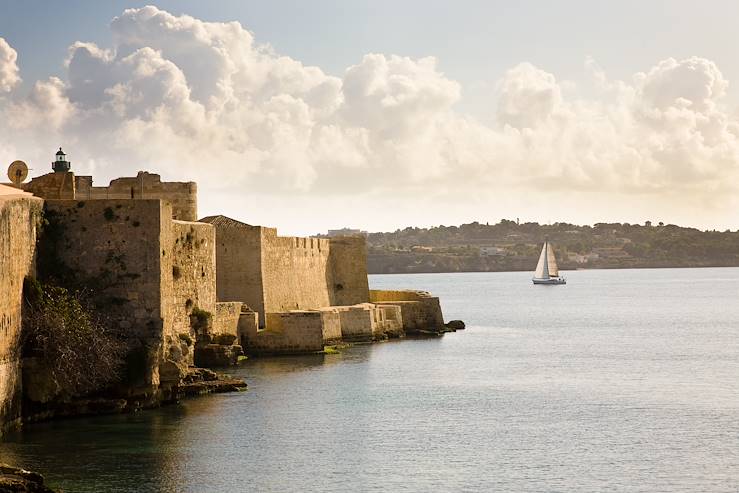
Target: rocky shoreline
[17, 480]
[195, 382]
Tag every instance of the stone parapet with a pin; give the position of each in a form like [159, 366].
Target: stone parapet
[419, 310]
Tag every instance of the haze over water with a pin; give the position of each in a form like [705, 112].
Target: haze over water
[623, 380]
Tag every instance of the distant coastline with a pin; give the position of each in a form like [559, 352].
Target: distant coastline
[509, 246]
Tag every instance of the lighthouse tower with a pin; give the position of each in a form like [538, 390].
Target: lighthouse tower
[61, 165]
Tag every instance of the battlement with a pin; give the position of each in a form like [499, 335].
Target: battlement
[272, 273]
[182, 196]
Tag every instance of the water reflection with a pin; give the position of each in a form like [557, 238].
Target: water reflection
[618, 381]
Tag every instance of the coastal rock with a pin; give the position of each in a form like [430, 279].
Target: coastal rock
[170, 371]
[217, 355]
[17, 480]
[456, 325]
[224, 339]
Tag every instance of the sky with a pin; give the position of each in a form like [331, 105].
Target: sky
[380, 115]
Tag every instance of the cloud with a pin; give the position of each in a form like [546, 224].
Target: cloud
[204, 101]
[9, 73]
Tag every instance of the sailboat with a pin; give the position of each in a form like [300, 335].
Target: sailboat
[547, 271]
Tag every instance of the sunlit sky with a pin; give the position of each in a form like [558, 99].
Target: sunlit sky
[379, 114]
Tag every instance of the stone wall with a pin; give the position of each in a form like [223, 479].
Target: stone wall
[299, 331]
[117, 245]
[348, 264]
[271, 273]
[226, 318]
[295, 272]
[248, 326]
[19, 213]
[368, 322]
[193, 260]
[419, 310]
[290, 332]
[182, 196]
[52, 186]
[238, 262]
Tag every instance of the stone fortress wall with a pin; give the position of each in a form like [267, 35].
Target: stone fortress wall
[284, 280]
[153, 266]
[182, 196]
[19, 215]
[272, 274]
[118, 244]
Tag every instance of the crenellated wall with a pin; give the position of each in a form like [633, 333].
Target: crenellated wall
[272, 273]
[182, 196]
[19, 216]
[296, 274]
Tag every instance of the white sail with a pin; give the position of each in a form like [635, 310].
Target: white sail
[542, 268]
[552, 263]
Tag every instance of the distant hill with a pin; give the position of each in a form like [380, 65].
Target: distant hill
[508, 246]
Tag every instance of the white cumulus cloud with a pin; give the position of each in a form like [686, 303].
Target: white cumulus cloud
[9, 73]
[205, 101]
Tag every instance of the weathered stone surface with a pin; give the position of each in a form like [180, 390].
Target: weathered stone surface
[419, 310]
[171, 371]
[217, 355]
[272, 273]
[456, 325]
[19, 213]
[17, 480]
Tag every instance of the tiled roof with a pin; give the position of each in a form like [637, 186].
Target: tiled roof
[223, 221]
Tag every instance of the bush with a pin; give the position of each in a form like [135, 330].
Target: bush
[200, 320]
[81, 354]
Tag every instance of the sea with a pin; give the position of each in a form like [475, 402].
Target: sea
[621, 380]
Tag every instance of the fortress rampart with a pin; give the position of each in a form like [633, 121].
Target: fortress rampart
[272, 273]
[182, 196]
[19, 215]
[179, 291]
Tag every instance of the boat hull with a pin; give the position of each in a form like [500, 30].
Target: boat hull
[550, 282]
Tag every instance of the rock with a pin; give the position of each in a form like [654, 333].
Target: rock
[38, 385]
[216, 355]
[224, 339]
[171, 372]
[456, 325]
[17, 480]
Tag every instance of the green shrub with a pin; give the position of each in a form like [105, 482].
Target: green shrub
[200, 320]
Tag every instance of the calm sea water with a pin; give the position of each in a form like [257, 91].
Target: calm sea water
[622, 380]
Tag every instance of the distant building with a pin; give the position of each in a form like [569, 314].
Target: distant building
[346, 232]
[419, 248]
[492, 251]
[582, 259]
[611, 252]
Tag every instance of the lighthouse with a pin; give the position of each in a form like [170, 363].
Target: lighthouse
[61, 165]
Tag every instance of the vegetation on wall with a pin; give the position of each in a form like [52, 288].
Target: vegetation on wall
[200, 320]
[74, 342]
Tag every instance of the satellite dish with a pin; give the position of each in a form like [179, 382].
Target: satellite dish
[17, 172]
